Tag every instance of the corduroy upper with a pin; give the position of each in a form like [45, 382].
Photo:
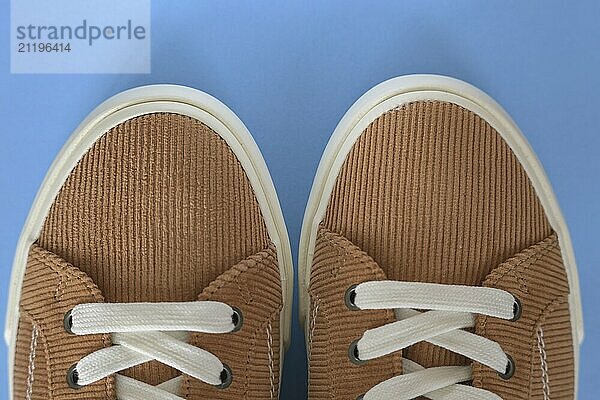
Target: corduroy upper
[159, 209]
[430, 192]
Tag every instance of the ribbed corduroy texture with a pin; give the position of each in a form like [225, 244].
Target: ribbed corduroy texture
[538, 278]
[252, 353]
[31, 380]
[433, 193]
[155, 211]
[52, 287]
[333, 327]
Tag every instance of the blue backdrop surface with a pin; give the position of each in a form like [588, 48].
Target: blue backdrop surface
[291, 69]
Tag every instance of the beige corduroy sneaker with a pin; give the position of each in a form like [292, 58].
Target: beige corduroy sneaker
[434, 260]
[155, 263]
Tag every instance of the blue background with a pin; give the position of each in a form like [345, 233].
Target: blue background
[291, 69]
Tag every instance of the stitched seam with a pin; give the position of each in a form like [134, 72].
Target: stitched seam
[342, 253]
[540, 320]
[47, 261]
[251, 352]
[59, 288]
[529, 259]
[31, 367]
[271, 373]
[263, 325]
[544, 247]
[313, 324]
[41, 337]
[543, 363]
[62, 272]
[336, 240]
[244, 265]
[252, 349]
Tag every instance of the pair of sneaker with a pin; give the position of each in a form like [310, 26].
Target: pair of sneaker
[433, 260]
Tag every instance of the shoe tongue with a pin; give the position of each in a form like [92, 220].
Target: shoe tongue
[152, 373]
[429, 355]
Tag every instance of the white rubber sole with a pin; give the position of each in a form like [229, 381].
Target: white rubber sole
[391, 94]
[130, 104]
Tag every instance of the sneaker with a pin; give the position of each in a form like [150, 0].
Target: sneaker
[155, 263]
[434, 260]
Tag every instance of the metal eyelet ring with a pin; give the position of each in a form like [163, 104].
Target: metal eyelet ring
[517, 309]
[350, 297]
[510, 369]
[353, 354]
[226, 377]
[237, 318]
[73, 377]
[68, 322]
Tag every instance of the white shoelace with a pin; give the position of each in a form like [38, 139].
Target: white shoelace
[452, 309]
[142, 332]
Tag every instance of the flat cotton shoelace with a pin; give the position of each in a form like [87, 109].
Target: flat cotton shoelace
[452, 309]
[142, 332]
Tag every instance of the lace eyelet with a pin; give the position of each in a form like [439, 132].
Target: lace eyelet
[237, 318]
[353, 354]
[511, 367]
[68, 322]
[73, 377]
[517, 309]
[350, 297]
[226, 377]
